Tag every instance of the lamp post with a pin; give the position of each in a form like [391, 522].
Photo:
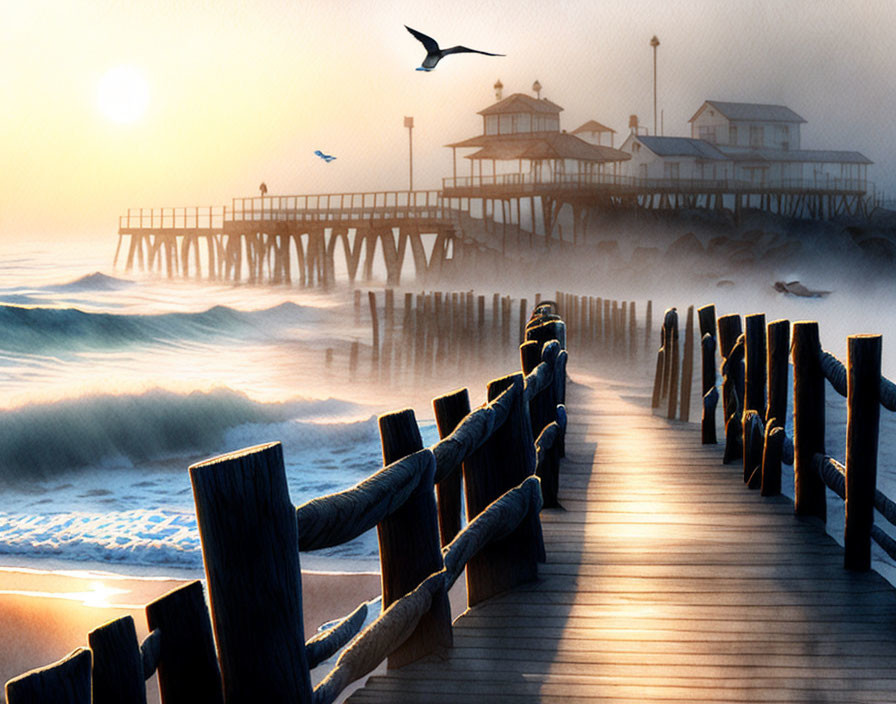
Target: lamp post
[537, 88]
[654, 42]
[409, 123]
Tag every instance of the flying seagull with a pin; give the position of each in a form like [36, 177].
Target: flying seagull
[434, 54]
[326, 157]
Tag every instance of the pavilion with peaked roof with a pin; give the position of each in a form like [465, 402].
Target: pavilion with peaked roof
[522, 139]
[593, 132]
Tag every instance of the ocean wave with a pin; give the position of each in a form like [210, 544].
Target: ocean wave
[143, 537]
[41, 330]
[97, 281]
[139, 537]
[38, 441]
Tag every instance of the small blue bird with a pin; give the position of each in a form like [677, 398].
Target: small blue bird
[326, 157]
[434, 54]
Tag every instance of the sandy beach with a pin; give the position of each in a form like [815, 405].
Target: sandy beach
[45, 615]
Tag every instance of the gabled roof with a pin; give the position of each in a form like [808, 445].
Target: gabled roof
[682, 146]
[520, 102]
[545, 145]
[818, 156]
[592, 126]
[758, 112]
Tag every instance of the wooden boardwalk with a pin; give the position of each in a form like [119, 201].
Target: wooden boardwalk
[667, 580]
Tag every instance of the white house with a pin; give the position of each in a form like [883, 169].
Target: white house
[750, 125]
[674, 158]
[748, 142]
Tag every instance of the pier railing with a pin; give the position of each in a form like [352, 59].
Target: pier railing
[537, 182]
[210, 217]
[507, 451]
[380, 205]
[754, 370]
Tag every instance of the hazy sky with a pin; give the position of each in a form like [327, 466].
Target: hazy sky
[241, 92]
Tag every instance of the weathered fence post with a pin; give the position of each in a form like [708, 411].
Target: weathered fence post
[542, 412]
[375, 325]
[671, 325]
[501, 463]
[64, 682]
[188, 668]
[808, 420]
[732, 392]
[450, 410]
[707, 317]
[249, 533]
[117, 663]
[687, 367]
[648, 321]
[862, 430]
[778, 351]
[410, 549]
[658, 379]
[755, 361]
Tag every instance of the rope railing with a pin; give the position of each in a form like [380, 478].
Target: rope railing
[756, 360]
[252, 535]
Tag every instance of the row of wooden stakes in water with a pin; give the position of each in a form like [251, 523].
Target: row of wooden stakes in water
[248, 643]
[604, 323]
[438, 327]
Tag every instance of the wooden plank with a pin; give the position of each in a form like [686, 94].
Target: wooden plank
[666, 580]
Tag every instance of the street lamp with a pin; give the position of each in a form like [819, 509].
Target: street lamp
[409, 123]
[537, 88]
[654, 42]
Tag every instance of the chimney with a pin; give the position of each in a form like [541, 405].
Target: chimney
[633, 123]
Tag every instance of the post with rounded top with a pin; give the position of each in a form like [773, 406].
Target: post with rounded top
[730, 330]
[250, 547]
[808, 420]
[410, 549]
[707, 318]
[501, 463]
[754, 389]
[687, 367]
[778, 351]
[450, 410]
[862, 430]
[671, 378]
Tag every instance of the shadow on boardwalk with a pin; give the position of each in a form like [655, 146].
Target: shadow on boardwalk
[666, 580]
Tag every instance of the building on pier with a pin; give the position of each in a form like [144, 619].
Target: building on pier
[753, 144]
[521, 142]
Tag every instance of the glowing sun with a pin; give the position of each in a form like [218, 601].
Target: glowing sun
[122, 94]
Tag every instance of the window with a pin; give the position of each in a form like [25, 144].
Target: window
[732, 134]
[670, 170]
[642, 171]
[782, 136]
[524, 122]
[491, 124]
[506, 124]
[707, 133]
[756, 136]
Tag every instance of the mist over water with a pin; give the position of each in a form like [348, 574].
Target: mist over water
[114, 383]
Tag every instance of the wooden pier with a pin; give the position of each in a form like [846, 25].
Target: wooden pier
[305, 239]
[666, 580]
[611, 554]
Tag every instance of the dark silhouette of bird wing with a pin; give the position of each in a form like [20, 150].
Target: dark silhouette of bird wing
[430, 44]
[463, 49]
